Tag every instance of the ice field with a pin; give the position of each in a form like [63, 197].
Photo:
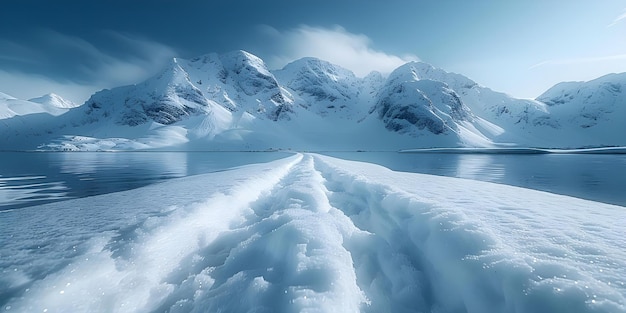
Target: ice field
[311, 233]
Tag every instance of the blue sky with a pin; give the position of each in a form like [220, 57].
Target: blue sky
[75, 47]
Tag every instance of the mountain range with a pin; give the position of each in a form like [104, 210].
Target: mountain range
[232, 101]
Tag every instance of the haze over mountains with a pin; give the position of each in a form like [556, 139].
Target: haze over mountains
[233, 102]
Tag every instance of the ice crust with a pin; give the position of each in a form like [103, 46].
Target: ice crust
[311, 233]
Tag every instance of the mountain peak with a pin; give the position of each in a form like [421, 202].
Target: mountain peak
[240, 60]
[54, 100]
[173, 73]
[414, 71]
[241, 54]
[249, 75]
[322, 87]
[319, 68]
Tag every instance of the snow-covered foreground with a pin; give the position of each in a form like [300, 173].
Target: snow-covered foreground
[311, 233]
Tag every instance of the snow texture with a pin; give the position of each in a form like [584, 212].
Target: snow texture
[310, 233]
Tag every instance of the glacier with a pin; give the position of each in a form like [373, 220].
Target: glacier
[312, 233]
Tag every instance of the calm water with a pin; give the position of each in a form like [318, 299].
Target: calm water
[40, 177]
[34, 178]
[594, 177]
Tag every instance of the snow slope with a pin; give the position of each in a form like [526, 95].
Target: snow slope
[313, 233]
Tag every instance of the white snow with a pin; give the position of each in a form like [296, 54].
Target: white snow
[311, 233]
[11, 107]
[326, 89]
[54, 100]
[593, 109]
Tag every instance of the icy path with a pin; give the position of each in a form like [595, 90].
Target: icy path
[315, 234]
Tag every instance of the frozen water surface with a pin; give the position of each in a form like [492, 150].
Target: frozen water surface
[312, 233]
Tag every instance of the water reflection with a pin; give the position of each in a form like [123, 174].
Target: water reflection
[479, 167]
[34, 178]
[594, 177]
[14, 190]
[173, 163]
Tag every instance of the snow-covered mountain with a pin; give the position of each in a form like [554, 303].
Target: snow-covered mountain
[590, 110]
[493, 115]
[237, 82]
[232, 101]
[574, 114]
[419, 100]
[324, 88]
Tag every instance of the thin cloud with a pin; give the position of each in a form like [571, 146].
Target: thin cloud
[14, 52]
[335, 45]
[551, 72]
[618, 19]
[572, 61]
[98, 65]
[26, 86]
[73, 62]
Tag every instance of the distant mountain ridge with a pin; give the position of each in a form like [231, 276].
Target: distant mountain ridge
[54, 100]
[49, 104]
[232, 101]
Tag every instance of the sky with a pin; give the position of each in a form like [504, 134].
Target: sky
[76, 47]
